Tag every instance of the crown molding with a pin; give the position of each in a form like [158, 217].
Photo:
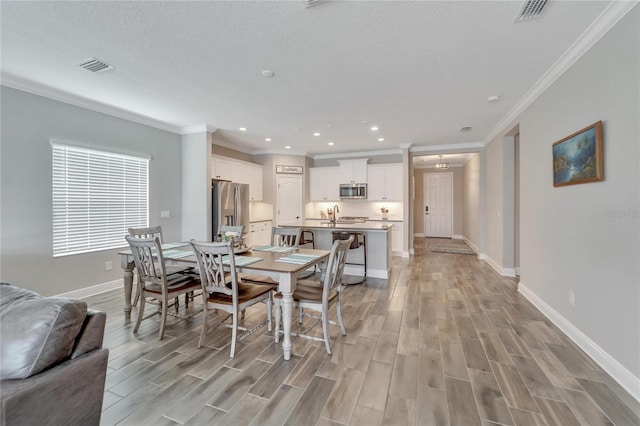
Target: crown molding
[200, 128]
[609, 17]
[344, 155]
[38, 89]
[471, 146]
[279, 152]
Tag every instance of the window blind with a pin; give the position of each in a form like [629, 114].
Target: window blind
[97, 196]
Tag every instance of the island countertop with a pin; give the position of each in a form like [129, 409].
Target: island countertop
[357, 226]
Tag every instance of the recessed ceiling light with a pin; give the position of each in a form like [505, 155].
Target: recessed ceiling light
[268, 73]
[287, 147]
[316, 134]
[374, 128]
[380, 139]
[243, 129]
[331, 144]
[493, 99]
[267, 139]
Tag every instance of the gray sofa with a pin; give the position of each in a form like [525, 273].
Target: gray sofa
[52, 364]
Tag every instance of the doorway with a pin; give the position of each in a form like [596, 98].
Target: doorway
[289, 200]
[438, 205]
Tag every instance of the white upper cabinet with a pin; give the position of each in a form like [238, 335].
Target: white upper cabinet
[353, 171]
[324, 183]
[221, 169]
[239, 172]
[385, 182]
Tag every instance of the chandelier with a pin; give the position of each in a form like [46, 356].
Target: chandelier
[442, 165]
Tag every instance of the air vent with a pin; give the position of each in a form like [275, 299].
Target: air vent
[532, 9]
[465, 129]
[95, 65]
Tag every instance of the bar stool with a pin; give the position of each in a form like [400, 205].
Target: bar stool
[359, 240]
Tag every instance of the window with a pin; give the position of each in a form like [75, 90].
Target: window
[97, 196]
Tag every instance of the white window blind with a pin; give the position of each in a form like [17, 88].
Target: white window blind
[97, 196]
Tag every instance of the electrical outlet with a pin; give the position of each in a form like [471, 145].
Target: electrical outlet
[572, 298]
[165, 214]
[108, 265]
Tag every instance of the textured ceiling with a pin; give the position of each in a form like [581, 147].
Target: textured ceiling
[418, 70]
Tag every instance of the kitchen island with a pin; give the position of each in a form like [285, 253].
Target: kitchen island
[378, 238]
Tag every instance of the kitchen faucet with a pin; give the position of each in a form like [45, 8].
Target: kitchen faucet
[335, 210]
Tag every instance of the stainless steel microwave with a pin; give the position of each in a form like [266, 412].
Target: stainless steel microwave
[353, 191]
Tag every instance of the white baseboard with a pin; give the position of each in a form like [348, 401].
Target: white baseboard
[412, 252]
[620, 374]
[419, 235]
[359, 271]
[505, 272]
[458, 237]
[94, 289]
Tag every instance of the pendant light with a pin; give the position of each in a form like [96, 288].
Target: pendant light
[442, 165]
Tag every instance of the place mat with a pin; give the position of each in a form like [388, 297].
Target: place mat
[176, 254]
[168, 246]
[298, 259]
[241, 260]
[276, 249]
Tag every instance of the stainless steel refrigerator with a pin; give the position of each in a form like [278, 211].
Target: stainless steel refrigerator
[230, 206]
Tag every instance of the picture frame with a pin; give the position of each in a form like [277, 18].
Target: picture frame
[296, 170]
[578, 158]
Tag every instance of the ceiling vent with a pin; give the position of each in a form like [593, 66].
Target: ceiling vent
[309, 3]
[532, 9]
[465, 129]
[95, 65]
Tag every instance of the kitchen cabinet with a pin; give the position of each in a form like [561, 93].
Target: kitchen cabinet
[385, 182]
[239, 172]
[396, 237]
[324, 184]
[221, 169]
[353, 171]
[260, 233]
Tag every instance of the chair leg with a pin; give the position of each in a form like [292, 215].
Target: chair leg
[269, 305]
[176, 304]
[136, 297]
[163, 318]
[140, 314]
[277, 330]
[243, 313]
[234, 335]
[325, 331]
[205, 317]
[300, 314]
[340, 322]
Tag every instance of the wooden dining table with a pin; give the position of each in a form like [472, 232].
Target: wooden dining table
[286, 274]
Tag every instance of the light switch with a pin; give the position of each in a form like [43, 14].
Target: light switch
[165, 214]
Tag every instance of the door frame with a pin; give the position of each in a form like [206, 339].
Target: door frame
[424, 200]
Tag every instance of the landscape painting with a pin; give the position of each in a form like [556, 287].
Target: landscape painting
[578, 157]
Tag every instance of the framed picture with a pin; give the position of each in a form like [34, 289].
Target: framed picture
[578, 157]
[296, 170]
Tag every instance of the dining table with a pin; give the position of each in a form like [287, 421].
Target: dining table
[282, 264]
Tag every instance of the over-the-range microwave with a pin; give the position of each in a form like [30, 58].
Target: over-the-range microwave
[353, 191]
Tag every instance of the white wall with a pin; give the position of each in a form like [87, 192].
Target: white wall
[471, 203]
[586, 238]
[28, 124]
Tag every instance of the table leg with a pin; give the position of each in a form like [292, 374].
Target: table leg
[285, 287]
[128, 285]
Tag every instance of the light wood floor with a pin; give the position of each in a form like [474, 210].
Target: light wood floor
[444, 341]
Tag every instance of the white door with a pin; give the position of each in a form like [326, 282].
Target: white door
[438, 208]
[289, 200]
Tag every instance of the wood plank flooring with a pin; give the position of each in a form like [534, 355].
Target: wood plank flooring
[444, 341]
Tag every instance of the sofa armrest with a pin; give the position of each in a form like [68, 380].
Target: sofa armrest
[91, 334]
[70, 393]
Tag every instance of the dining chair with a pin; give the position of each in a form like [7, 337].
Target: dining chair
[279, 237]
[230, 297]
[153, 280]
[319, 298]
[152, 232]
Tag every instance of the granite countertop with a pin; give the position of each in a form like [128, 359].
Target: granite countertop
[358, 226]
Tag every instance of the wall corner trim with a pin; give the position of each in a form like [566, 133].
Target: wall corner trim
[617, 371]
